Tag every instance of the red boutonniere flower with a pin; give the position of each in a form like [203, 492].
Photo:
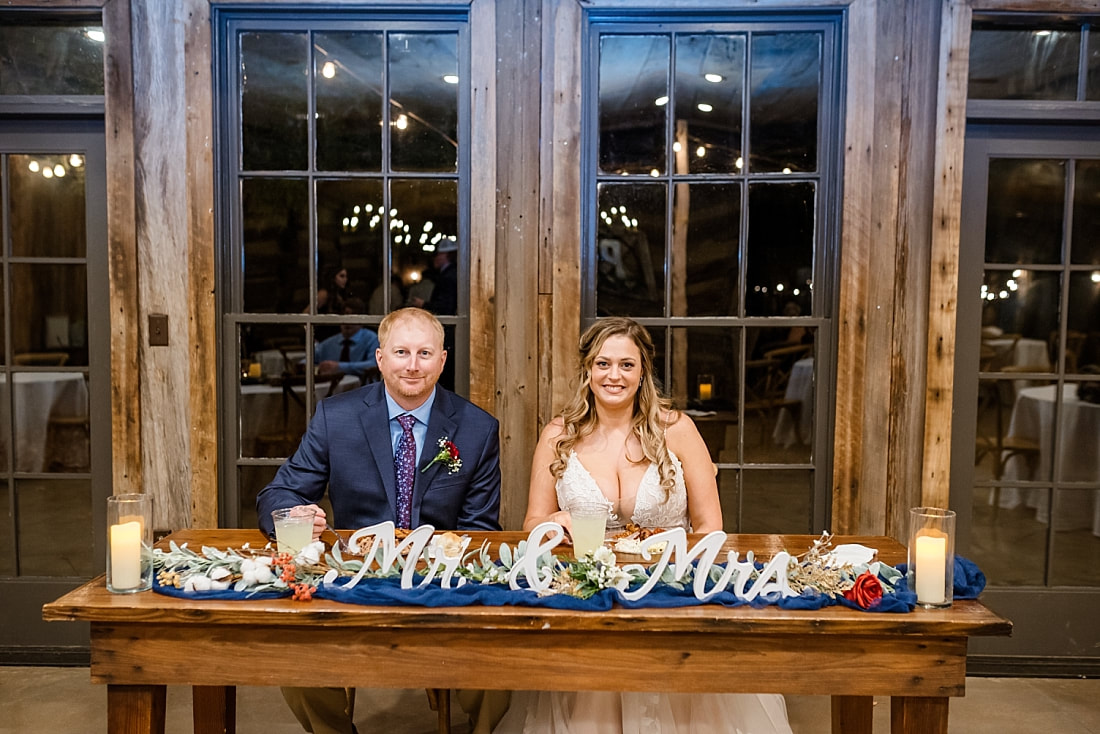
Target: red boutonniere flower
[866, 592]
[448, 456]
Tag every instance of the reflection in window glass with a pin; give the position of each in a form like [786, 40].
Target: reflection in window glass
[42, 186]
[631, 250]
[1092, 89]
[1024, 210]
[351, 221]
[709, 93]
[1085, 246]
[779, 393]
[53, 312]
[251, 479]
[1075, 560]
[784, 99]
[633, 99]
[424, 101]
[777, 502]
[55, 59]
[275, 239]
[274, 101]
[780, 248]
[1011, 63]
[274, 373]
[1015, 554]
[1024, 302]
[5, 430]
[1083, 317]
[705, 235]
[703, 375]
[54, 527]
[424, 243]
[348, 77]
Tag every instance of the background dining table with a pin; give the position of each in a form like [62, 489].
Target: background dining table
[1078, 454]
[38, 397]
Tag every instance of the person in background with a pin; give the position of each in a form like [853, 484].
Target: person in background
[351, 351]
[372, 449]
[444, 298]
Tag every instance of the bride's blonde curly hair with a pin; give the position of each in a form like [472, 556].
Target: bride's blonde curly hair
[652, 412]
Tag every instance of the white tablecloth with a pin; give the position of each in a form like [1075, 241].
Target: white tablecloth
[1079, 452]
[1027, 353]
[39, 396]
[800, 387]
[262, 409]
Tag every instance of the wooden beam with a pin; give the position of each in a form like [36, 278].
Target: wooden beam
[201, 325]
[118, 92]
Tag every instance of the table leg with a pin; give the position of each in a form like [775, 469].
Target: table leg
[913, 714]
[135, 709]
[853, 714]
[214, 709]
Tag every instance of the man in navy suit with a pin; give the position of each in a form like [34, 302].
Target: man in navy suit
[350, 447]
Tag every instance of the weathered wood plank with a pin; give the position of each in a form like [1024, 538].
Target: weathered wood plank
[918, 714]
[201, 325]
[944, 275]
[214, 708]
[483, 163]
[126, 465]
[853, 415]
[136, 708]
[853, 714]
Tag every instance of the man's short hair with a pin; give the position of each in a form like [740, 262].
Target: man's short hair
[355, 305]
[410, 313]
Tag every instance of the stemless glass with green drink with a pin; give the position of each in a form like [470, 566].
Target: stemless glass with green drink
[589, 522]
[293, 528]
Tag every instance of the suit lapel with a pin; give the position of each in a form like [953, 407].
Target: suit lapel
[375, 421]
[440, 425]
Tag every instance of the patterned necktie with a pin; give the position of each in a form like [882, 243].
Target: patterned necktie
[345, 351]
[404, 466]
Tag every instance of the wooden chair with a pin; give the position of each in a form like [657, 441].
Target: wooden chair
[41, 359]
[766, 384]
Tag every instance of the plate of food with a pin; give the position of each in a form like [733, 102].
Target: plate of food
[632, 540]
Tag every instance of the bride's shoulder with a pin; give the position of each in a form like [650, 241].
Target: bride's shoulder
[679, 427]
[553, 429]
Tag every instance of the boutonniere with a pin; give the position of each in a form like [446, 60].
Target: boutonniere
[448, 456]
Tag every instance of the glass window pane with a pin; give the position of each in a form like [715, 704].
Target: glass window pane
[729, 495]
[1083, 335]
[1075, 560]
[1024, 214]
[350, 222]
[633, 99]
[41, 187]
[50, 422]
[1007, 542]
[705, 265]
[1092, 89]
[348, 74]
[273, 389]
[1079, 435]
[780, 247]
[1085, 247]
[779, 394]
[423, 103]
[5, 425]
[1014, 63]
[703, 379]
[777, 501]
[54, 527]
[274, 101]
[50, 326]
[275, 222]
[7, 539]
[424, 238]
[631, 250]
[709, 99]
[784, 100]
[250, 480]
[1031, 309]
[58, 58]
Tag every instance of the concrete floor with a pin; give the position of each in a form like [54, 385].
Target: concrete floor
[63, 701]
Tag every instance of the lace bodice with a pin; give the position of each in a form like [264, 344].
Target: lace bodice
[651, 510]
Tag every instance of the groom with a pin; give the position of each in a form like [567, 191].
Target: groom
[350, 447]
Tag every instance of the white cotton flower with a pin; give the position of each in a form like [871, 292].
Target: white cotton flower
[263, 574]
[248, 566]
[264, 560]
[219, 573]
[197, 582]
[219, 585]
[311, 554]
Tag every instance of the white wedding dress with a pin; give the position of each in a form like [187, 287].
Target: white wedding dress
[610, 712]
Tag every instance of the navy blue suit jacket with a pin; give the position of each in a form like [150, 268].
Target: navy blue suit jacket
[347, 449]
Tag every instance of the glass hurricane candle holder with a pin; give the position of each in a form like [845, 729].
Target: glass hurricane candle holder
[129, 543]
[932, 556]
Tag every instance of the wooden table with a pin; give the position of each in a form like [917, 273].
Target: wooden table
[142, 642]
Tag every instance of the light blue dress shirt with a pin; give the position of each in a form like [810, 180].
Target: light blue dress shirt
[419, 429]
[362, 351]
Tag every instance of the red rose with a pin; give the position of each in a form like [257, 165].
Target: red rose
[866, 592]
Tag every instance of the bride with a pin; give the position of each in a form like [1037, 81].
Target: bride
[618, 441]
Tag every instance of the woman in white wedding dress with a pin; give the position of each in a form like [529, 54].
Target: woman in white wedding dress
[618, 441]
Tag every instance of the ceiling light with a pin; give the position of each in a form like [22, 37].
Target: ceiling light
[402, 122]
[76, 161]
[700, 151]
[47, 172]
[739, 162]
[786, 170]
[1042, 34]
[59, 170]
[655, 173]
[704, 107]
[33, 165]
[661, 101]
[713, 78]
[96, 34]
[450, 78]
[328, 70]
[676, 146]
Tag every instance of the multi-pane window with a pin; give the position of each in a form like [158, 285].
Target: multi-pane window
[713, 165]
[344, 175]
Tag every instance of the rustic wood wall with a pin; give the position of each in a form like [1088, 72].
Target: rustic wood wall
[905, 92]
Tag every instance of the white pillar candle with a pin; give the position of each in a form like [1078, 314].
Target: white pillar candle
[931, 567]
[126, 555]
